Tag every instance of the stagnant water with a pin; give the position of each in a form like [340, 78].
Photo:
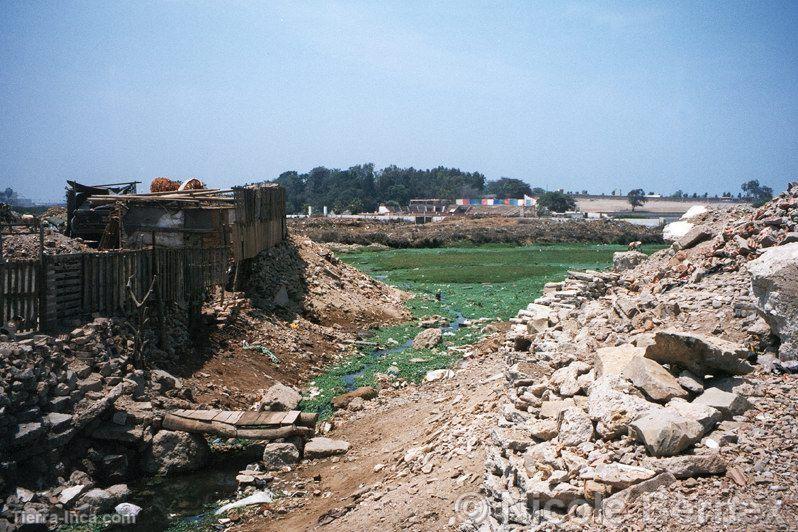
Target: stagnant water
[350, 378]
[189, 498]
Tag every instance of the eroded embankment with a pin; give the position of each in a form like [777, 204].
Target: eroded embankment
[460, 231]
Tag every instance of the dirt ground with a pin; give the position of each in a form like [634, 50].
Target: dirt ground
[373, 486]
[304, 310]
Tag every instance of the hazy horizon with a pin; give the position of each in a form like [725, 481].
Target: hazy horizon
[574, 95]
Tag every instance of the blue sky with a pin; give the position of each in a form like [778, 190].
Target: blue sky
[697, 96]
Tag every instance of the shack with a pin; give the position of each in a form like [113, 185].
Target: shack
[246, 219]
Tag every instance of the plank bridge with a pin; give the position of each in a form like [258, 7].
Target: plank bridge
[241, 424]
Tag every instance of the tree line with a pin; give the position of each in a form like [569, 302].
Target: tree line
[361, 188]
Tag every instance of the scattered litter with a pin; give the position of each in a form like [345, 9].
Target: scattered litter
[257, 347]
[259, 497]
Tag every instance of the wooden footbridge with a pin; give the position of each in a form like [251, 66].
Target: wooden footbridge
[239, 424]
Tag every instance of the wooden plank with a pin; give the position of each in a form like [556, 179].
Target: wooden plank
[222, 416]
[203, 415]
[290, 417]
[248, 418]
[234, 419]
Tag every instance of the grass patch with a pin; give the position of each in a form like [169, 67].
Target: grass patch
[491, 281]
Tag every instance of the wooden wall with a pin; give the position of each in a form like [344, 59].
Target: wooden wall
[75, 286]
[259, 220]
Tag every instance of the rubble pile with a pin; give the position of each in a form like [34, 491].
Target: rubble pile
[711, 244]
[21, 245]
[78, 422]
[626, 386]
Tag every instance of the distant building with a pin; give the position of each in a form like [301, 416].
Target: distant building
[428, 205]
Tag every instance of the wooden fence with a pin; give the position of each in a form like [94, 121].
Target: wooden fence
[44, 293]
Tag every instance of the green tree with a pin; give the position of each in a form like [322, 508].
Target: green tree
[557, 202]
[636, 198]
[756, 193]
[508, 187]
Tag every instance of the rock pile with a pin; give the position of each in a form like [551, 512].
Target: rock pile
[76, 416]
[624, 383]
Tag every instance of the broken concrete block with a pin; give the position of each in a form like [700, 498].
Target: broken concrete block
[693, 237]
[615, 506]
[622, 476]
[700, 354]
[729, 404]
[323, 447]
[613, 360]
[690, 465]
[552, 409]
[666, 433]
[613, 403]
[653, 380]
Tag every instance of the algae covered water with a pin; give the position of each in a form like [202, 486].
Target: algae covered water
[459, 283]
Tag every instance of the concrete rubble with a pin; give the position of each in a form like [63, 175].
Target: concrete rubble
[626, 384]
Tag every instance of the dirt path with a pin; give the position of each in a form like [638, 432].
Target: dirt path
[413, 452]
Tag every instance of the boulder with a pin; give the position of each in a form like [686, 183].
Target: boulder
[176, 452]
[627, 260]
[675, 230]
[364, 392]
[699, 354]
[537, 317]
[774, 283]
[280, 398]
[427, 339]
[622, 476]
[690, 465]
[68, 495]
[613, 360]
[279, 455]
[690, 382]
[575, 427]
[127, 509]
[613, 403]
[653, 380]
[323, 447]
[728, 403]
[666, 433]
